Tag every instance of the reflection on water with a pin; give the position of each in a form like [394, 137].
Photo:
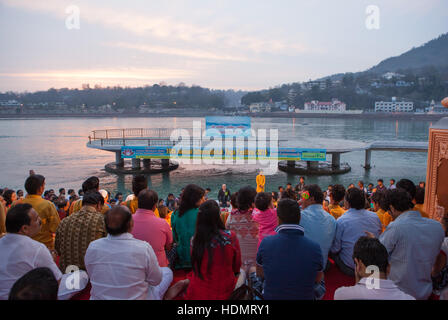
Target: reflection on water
[57, 149]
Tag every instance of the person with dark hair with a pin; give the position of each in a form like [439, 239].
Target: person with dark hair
[119, 198]
[62, 192]
[289, 262]
[92, 184]
[37, 284]
[61, 204]
[10, 197]
[147, 227]
[410, 187]
[265, 214]
[422, 184]
[370, 255]
[215, 257]
[170, 202]
[183, 223]
[300, 187]
[207, 191]
[122, 267]
[336, 197]
[280, 192]
[318, 224]
[392, 184]
[274, 198]
[35, 186]
[246, 229]
[224, 196]
[139, 183]
[380, 208]
[380, 187]
[350, 227]
[19, 194]
[19, 253]
[70, 193]
[80, 193]
[78, 230]
[413, 243]
[289, 194]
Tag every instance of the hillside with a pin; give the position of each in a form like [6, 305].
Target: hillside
[432, 53]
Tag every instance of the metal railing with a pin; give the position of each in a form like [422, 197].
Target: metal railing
[128, 136]
[132, 133]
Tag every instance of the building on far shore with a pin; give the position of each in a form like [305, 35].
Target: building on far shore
[394, 106]
[334, 105]
[260, 107]
[436, 108]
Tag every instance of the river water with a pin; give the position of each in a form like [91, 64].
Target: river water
[57, 149]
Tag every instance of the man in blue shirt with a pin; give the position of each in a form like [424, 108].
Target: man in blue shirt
[319, 225]
[413, 243]
[350, 227]
[289, 262]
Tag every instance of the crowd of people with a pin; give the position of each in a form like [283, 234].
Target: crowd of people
[277, 245]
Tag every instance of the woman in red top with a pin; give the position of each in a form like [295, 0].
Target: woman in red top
[215, 257]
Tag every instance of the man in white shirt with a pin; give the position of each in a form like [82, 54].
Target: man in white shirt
[122, 267]
[20, 254]
[371, 271]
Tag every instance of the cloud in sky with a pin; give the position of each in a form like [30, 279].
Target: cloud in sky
[224, 44]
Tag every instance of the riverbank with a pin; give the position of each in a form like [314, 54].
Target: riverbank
[383, 116]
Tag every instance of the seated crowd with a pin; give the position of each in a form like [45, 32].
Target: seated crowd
[275, 246]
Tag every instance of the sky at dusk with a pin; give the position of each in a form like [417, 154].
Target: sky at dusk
[222, 44]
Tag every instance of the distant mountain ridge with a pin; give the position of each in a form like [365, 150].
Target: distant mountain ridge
[432, 53]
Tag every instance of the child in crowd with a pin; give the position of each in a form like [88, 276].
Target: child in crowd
[265, 214]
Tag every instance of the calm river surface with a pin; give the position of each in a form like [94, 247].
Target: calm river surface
[57, 149]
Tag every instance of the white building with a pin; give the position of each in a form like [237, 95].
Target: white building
[334, 105]
[394, 106]
[260, 107]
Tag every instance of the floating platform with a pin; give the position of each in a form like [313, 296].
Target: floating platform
[321, 168]
[156, 166]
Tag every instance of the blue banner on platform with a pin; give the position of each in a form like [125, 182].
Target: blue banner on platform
[228, 126]
[291, 154]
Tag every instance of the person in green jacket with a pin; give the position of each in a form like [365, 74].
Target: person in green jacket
[183, 223]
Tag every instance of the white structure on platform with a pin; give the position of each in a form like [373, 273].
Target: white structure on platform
[334, 105]
[394, 106]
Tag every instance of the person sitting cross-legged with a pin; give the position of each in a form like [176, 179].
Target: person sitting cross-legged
[122, 267]
[19, 253]
[371, 271]
[413, 244]
[290, 263]
[350, 227]
[215, 257]
[77, 231]
[147, 227]
[319, 226]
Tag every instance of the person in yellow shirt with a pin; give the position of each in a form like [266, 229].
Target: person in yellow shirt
[419, 201]
[261, 181]
[91, 184]
[337, 195]
[379, 207]
[139, 183]
[35, 186]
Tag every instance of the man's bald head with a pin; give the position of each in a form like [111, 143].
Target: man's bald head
[118, 220]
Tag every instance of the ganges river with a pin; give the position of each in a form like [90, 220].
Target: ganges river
[56, 148]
